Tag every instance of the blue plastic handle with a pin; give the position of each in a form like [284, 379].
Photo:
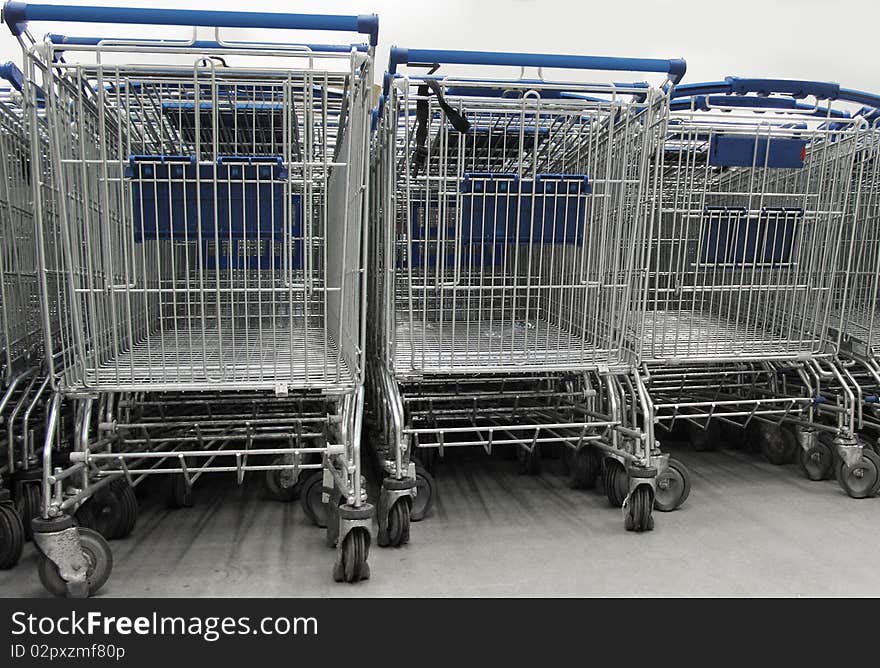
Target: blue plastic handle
[205, 44]
[706, 102]
[13, 75]
[16, 14]
[675, 68]
[795, 88]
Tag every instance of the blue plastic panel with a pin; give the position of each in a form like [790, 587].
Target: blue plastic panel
[731, 236]
[757, 151]
[238, 202]
[501, 209]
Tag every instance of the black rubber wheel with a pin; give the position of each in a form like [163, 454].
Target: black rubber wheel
[817, 462]
[355, 550]
[28, 505]
[100, 563]
[177, 493]
[584, 466]
[778, 445]
[615, 481]
[283, 484]
[639, 508]
[673, 487]
[705, 440]
[424, 498]
[310, 499]
[398, 522]
[530, 461]
[862, 480]
[129, 499]
[105, 512]
[11, 536]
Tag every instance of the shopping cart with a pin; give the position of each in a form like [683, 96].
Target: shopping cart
[211, 196]
[856, 318]
[509, 217]
[742, 273]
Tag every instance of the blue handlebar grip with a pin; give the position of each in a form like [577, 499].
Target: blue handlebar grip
[16, 14]
[206, 44]
[675, 68]
[13, 75]
[821, 90]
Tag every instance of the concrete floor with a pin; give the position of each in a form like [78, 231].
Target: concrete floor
[748, 529]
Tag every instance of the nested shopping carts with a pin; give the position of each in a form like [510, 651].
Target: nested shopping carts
[859, 296]
[743, 277]
[509, 218]
[24, 385]
[210, 198]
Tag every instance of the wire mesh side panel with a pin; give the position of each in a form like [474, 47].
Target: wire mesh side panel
[858, 298]
[516, 238]
[20, 322]
[208, 213]
[744, 252]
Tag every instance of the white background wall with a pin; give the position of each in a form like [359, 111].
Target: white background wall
[816, 39]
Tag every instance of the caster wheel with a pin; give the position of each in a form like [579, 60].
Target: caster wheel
[530, 462]
[398, 523]
[638, 516]
[310, 499]
[177, 493]
[778, 445]
[130, 504]
[109, 511]
[816, 463]
[283, 484]
[98, 557]
[673, 487]
[863, 479]
[705, 440]
[615, 481]
[584, 466]
[424, 498]
[355, 550]
[11, 536]
[28, 506]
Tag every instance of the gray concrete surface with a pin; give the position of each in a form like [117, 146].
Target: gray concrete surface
[748, 529]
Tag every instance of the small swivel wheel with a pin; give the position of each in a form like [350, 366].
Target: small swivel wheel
[639, 509]
[12, 533]
[817, 462]
[615, 482]
[862, 479]
[778, 445]
[283, 484]
[311, 499]
[424, 498]
[529, 460]
[355, 550]
[111, 511]
[99, 563]
[398, 522]
[584, 467]
[673, 487]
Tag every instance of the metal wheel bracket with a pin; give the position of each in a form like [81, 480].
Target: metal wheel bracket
[806, 438]
[849, 450]
[63, 548]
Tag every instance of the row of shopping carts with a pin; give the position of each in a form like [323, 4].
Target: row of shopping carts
[233, 256]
